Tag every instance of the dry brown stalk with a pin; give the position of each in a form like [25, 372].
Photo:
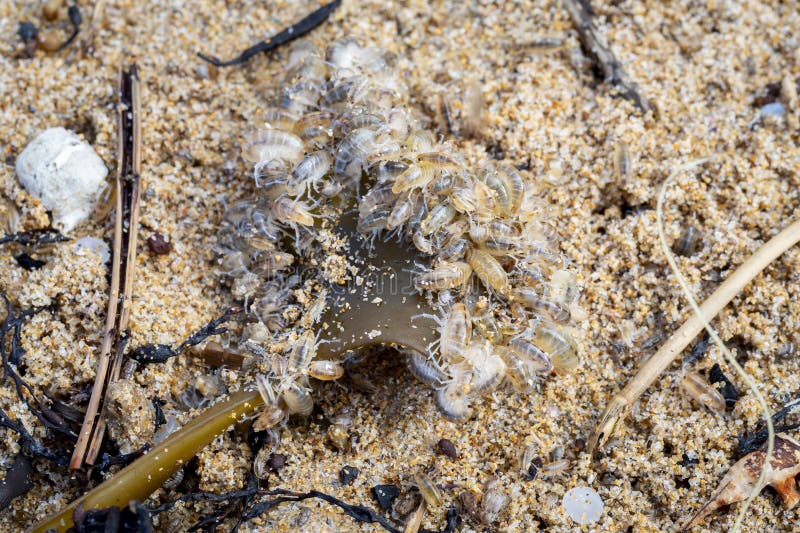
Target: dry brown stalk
[617, 410]
[123, 264]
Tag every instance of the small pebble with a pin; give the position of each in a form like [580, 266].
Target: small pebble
[583, 505]
[446, 447]
[50, 9]
[158, 244]
[385, 495]
[276, 461]
[775, 109]
[348, 474]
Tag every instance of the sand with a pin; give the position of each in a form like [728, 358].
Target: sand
[701, 65]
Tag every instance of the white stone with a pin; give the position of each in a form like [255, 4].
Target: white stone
[583, 505]
[65, 173]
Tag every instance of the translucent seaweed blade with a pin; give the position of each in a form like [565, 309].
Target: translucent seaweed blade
[380, 305]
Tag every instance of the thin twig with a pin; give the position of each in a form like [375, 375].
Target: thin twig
[619, 406]
[124, 262]
[594, 44]
[289, 34]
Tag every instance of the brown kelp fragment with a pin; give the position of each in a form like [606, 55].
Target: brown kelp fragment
[289, 34]
[595, 46]
[740, 480]
[123, 266]
[17, 481]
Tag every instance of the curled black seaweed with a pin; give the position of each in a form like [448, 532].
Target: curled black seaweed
[289, 34]
[75, 18]
[34, 238]
[158, 353]
[750, 442]
[243, 497]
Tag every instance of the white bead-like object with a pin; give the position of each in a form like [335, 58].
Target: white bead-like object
[583, 505]
[65, 173]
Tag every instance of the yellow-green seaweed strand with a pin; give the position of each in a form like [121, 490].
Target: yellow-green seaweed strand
[145, 475]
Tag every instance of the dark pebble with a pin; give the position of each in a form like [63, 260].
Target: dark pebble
[385, 495]
[446, 447]
[348, 474]
[579, 445]
[158, 244]
[688, 461]
[28, 263]
[728, 390]
[276, 461]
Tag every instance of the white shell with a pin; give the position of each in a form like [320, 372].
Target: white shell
[65, 173]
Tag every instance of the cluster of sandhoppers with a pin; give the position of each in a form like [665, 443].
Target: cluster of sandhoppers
[340, 136]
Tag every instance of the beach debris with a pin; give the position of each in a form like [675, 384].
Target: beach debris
[619, 406]
[750, 442]
[34, 238]
[158, 244]
[699, 349]
[158, 353]
[494, 502]
[581, 13]
[126, 231]
[65, 173]
[385, 495]
[701, 391]
[446, 447]
[17, 481]
[583, 505]
[276, 461]
[29, 263]
[29, 34]
[728, 389]
[289, 34]
[415, 520]
[348, 474]
[133, 517]
[130, 416]
[689, 242]
[743, 477]
[428, 489]
[75, 19]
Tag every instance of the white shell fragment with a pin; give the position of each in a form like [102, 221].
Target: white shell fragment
[583, 505]
[65, 173]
